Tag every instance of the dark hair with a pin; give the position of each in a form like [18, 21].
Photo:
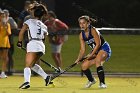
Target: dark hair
[52, 14]
[87, 18]
[39, 11]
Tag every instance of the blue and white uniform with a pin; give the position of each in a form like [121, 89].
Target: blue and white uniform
[36, 32]
[91, 42]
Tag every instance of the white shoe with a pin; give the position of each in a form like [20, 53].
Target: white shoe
[89, 83]
[102, 85]
[3, 76]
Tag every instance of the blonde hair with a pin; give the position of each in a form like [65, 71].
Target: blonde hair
[87, 18]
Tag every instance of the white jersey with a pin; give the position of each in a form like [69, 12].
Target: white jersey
[36, 32]
[37, 29]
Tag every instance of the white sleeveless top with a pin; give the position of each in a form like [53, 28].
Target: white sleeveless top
[36, 33]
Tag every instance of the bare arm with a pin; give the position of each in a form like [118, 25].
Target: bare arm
[97, 41]
[22, 31]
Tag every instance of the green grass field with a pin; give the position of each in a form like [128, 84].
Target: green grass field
[125, 54]
[70, 85]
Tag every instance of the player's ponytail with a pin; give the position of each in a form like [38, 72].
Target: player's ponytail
[40, 10]
[87, 18]
[91, 20]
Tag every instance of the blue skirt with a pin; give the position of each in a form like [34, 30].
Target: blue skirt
[107, 49]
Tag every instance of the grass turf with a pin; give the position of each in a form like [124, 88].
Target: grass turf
[125, 54]
[70, 85]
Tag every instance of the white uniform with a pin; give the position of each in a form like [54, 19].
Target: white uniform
[36, 33]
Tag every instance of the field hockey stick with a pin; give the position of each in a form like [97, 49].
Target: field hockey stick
[48, 64]
[51, 66]
[67, 68]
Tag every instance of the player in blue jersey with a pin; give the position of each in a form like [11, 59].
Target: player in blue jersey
[100, 53]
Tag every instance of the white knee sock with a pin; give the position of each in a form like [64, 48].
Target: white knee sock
[36, 68]
[27, 74]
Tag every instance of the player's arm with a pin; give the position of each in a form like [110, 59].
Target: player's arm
[97, 41]
[82, 48]
[45, 32]
[21, 34]
[22, 31]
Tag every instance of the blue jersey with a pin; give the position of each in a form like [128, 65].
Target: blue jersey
[90, 39]
[91, 42]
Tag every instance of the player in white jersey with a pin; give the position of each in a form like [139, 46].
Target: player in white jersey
[35, 47]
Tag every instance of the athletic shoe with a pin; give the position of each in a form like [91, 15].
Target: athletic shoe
[48, 80]
[51, 83]
[89, 83]
[3, 76]
[25, 85]
[102, 85]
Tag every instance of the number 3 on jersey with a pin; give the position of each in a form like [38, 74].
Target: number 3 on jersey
[39, 28]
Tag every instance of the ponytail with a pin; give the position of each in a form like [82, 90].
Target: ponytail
[87, 18]
[40, 10]
[91, 20]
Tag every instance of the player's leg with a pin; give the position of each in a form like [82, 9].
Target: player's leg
[59, 47]
[36, 68]
[33, 72]
[103, 55]
[30, 57]
[55, 58]
[59, 61]
[56, 54]
[85, 68]
[100, 59]
[4, 58]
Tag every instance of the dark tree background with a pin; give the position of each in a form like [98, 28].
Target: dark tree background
[118, 13]
[111, 13]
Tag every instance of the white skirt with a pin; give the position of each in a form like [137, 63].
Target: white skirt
[36, 46]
